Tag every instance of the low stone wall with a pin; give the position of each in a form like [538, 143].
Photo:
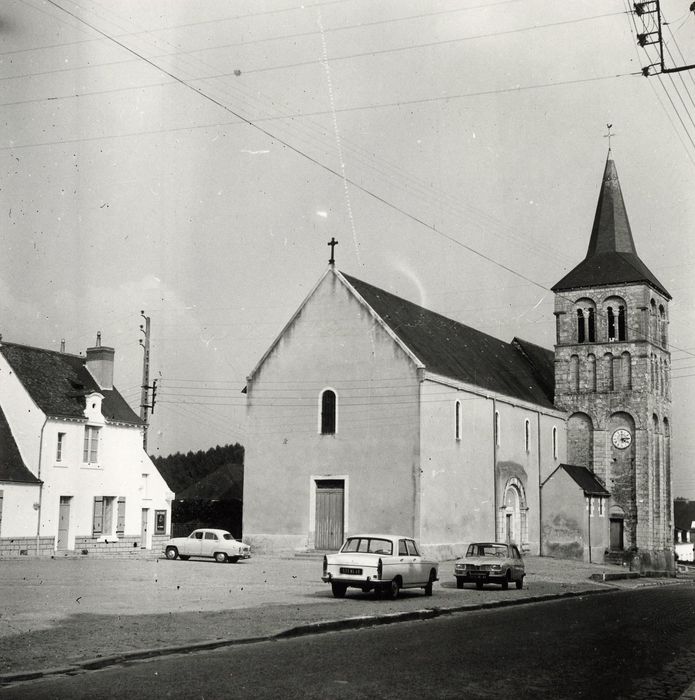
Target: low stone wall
[26, 546]
[92, 545]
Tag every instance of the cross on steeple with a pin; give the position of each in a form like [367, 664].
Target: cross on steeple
[332, 243]
[609, 135]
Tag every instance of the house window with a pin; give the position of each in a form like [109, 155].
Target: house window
[328, 412]
[600, 507]
[91, 445]
[497, 428]
[554, 442]
[59, 447]
[120, 516]
[527, 435]
[457, 429]
[102, 523]
[160, 522]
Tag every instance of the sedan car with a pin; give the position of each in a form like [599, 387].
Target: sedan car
[379, 563]
[490, 562]
[218, 544]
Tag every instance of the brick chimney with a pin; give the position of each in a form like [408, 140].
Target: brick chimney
[100, 364]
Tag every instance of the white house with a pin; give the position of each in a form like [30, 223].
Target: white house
[73, 471]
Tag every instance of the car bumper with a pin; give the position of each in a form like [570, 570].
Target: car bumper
[366, 584]
[481, 577]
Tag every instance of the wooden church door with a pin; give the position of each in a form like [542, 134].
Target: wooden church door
[330, 500]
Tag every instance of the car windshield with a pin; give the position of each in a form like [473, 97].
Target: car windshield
[487, 550]
[368, 545]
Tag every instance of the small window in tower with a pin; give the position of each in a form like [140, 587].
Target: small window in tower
[621, 323]
[592, 326]
[611, 324]
[457, 419]
[554, 442]
[328, 410]
[497, 428]
[580, 326]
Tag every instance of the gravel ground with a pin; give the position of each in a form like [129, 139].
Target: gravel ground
[58, 612]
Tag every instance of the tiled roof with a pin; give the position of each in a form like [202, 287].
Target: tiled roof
[683, 514]
[586, 480]
[451, 349]
[611, 257]
[12, 467]
[58, 383]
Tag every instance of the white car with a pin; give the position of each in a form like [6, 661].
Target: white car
[382, 563]
[218, 544]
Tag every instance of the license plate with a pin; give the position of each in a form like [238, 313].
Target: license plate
[478, 574]
[350, 572]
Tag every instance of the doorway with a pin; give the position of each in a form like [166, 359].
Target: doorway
[330, 503]
[63, 522]
[616, 534]
[144, 528]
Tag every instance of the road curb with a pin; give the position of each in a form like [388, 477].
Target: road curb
[320, 627]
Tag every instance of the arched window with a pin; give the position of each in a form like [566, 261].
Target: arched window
[662, 325]
[608, 366]
[527, 435]
[626, 371]
[554, 442]
[621, 323]
[581, 331]
[611, 323]
[497, 428]
[652, 321]
[592, 325]
[574, 373]
[329, 405]
[457, 419]
[591, 370]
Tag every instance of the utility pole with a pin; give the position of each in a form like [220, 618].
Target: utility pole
[649, 13]
[144, 395]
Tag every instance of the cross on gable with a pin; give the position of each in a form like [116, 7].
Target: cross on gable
[332, 243]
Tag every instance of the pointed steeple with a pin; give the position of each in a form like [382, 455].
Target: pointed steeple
[611, 257]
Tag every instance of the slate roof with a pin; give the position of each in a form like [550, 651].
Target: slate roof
[12, 467]
[611, 257]
[586, 480]
[683, 514]
[58, 383]
[520, 370]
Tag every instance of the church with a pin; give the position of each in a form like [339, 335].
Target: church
[369, 413]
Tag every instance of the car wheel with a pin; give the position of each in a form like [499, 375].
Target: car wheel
[171, 552]
[234, 560]
[394, 588]
[520, 583]
[505, 582]
[220, 557]
[430, 583]
[479, 585]
[338, 590]
[184, 557]
[459, 583]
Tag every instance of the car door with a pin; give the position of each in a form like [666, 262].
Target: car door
[210, 541]
[418, 566]
[191, 545]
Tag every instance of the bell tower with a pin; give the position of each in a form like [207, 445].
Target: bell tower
[613, 377]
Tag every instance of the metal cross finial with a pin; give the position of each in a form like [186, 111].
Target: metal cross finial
[332, 243]
[609, 135]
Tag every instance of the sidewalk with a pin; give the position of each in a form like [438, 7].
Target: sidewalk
[79, 614]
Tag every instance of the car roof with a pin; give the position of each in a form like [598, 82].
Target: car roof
[491, 544]
[382, 537]
[211, 529]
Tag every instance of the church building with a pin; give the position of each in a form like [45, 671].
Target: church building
[369, 413]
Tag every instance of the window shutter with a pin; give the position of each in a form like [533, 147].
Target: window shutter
[85, 451]
[120, 520]
[98, 522]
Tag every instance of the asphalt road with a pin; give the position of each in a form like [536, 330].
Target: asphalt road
[631, 644]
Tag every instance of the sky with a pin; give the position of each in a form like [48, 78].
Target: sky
[192, 158]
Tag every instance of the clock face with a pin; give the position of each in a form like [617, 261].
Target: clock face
[622, 438]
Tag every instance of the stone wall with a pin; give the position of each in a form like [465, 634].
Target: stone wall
[26, 546]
